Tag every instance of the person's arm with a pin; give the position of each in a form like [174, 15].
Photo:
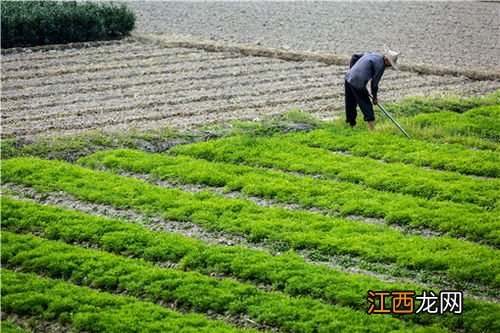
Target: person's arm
[379, 71]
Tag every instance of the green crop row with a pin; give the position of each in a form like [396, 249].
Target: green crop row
[190, 290]
[448, 102]
[461, 261]
[287, 272]
[278, 152]
[87, 310]
[475, 129]
[483, 122]
[456, 219]
[392, 148]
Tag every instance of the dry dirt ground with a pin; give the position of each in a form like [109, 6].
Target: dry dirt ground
[464, 34]
[146, 84]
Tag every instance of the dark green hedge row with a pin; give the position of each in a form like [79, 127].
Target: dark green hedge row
[30, 23]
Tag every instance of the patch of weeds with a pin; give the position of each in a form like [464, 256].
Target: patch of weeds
[147, 218]
[442, 102]
[346, 261]
[318, 256]
[279, 245]
[72, 147]
[300, 117]
[213, 131]
[9, 192]
[292, 121]
[7, 146]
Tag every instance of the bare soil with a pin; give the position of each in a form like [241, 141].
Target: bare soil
[463, 34]
[152, 84]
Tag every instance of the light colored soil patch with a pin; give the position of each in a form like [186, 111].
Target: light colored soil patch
[462, 34]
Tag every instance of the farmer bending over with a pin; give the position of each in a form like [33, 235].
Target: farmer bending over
[363, 68]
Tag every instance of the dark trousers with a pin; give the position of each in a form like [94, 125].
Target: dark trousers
[353, 98]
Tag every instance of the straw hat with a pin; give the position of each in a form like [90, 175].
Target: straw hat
[392, 56]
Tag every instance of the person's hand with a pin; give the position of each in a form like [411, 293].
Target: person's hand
[375, 101]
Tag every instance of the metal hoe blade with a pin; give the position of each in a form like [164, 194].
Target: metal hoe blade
[392, 119]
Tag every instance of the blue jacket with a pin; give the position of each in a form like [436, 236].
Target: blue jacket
[369, 66]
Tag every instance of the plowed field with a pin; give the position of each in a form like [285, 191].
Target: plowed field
[141, 85]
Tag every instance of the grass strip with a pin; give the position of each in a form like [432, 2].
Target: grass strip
[109, 272]
[482, 122]
[392, 148]
[474, 129]
[412, 106]
[456, 219]
[288, 272]
[460, 261]
[74, 146]
[92, 311]
[278, 152]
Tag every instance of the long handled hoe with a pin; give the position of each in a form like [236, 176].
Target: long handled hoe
[392, 119]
